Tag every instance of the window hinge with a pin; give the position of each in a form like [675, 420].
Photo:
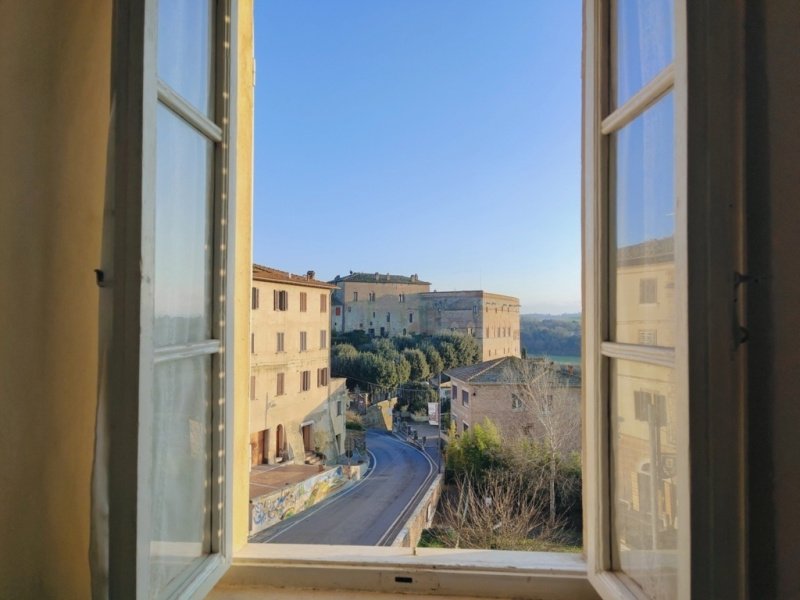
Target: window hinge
[741, 334]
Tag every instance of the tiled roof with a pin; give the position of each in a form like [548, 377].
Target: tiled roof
[500, 370]
[262, 273]
[379, 278]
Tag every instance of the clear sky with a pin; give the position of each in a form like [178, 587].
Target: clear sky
[437, 137]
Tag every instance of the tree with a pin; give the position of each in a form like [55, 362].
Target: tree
[541, 389]
[419, 365]
[435, 362]
[501, 510]
[476, 451]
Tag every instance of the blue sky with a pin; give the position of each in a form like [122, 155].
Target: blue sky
[438, 137]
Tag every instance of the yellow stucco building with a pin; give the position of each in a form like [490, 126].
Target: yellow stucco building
[296, 409]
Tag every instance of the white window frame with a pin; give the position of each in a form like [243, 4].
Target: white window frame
[137, 93]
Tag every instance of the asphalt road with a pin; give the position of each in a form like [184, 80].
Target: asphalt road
[369, 513]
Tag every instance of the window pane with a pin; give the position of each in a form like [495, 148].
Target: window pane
[181, 485]
[645, 515]
[185, 50]
[644, 43]
[183, 248]
[644, 202]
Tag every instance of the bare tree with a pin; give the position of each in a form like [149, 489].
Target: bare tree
[542, 392]
[500, 510]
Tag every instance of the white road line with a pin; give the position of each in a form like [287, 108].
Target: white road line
[413, 499]
[327, 502]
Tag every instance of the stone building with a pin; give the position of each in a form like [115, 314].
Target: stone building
[296, 409]
[507, 392]
[390, 305]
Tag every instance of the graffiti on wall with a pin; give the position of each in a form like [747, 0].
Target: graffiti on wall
[272, 508]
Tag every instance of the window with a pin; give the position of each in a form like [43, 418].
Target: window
[516, 402]
[338, 414]
[252, 387]
[322, 377]
[303, 341]
[280, 380]
[254, 302]
[410, 317]
[280, 300]
[455, 391]
[388, 317]
[279, 347]
[402, 297]
[252, 343]
[488, 333]
[634, 169]
[372, 296]
[338, 311]
[303, 301]
[465, 428]
[323, 339]
[648, 290]
[323, 303]
[355, 296]
[464, 397]
[306, 380]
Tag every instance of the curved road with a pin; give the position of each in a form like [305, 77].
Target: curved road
[369, 513]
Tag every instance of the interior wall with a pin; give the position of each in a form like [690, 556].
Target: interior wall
[54, 69]
[773, 190]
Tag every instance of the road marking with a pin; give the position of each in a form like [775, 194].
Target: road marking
[414, 499]
[325, 503]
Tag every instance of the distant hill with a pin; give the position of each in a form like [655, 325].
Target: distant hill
[549, 317]
[553, 335]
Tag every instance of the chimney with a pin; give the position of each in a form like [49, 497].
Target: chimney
[310, 274]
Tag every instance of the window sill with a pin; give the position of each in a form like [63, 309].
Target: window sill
[293, 569]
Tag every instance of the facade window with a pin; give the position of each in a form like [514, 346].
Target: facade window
[402, 297]
[252, 343]
[252, 387]
[454, 393]
[388, 317]
[323, 339]
[465, 397]
[338, 411]
[349, 309]
[322, 376]
[254, 300]
[306, 380]
[488, 332]
[372, 296]
[338, 311]
[281, 380]
[303, 341]
[465, 428]
[280, 300]
[410, 317]
[516, 402]
[303, 301]
[279, 342]
[648, 290]
[323, 303]
[355, 296]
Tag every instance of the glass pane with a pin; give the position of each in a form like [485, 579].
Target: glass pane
[181, 486]
[185, 45]
[644, 43]
[645, 513]
[184, 194]
[644, 201]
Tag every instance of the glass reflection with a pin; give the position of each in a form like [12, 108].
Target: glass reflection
[644, 202]
[181, 485]
[645, 511]
[183, 232]
[184, 50]
[644, 38]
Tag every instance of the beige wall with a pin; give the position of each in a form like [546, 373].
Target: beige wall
[294, 407]
[646, 319]
[501, 318]
[54, 68]
[493, 401]
[359, 314]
